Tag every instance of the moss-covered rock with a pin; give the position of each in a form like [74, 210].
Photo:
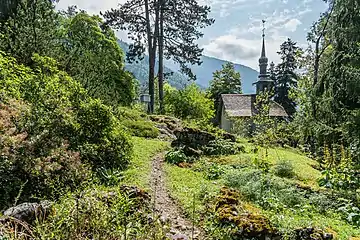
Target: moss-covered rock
[231, 212]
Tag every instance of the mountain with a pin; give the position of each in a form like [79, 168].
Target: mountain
[203, 72]
[140, 70]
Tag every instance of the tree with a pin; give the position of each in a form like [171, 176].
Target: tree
[32, 28]
[90, 54]
[319, 36]
[225, 81]
[329, 107]
[180, 20]
[286, 78]
[7, 7]
[189, 103]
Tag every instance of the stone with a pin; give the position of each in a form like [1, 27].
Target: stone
[192, 138]
[29, 212]
[179, 237]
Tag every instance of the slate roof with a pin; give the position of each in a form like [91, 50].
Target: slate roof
[243, 105]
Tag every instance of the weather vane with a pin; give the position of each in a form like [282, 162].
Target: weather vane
[263, 22]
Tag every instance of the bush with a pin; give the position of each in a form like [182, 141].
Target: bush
[102, 142]
[141, 128]
[30, 166]
[222, 147]
[188, 103]
[176, 157]
[284, 169]
[52, 133]
[137, 123]
[213, 171]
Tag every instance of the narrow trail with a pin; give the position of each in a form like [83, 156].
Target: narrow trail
[165, 206]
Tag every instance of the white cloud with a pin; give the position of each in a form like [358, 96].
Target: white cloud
[91, 6]
[242, 50]
[292, 24]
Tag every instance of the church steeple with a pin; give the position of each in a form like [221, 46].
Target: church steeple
[264, 81]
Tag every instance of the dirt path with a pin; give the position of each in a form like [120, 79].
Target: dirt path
[165, 206]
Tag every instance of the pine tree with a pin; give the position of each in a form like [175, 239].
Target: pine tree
[285, 76]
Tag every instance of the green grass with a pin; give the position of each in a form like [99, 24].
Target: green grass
[289, 220]
[185, 184]
[305, 173]
[139, 170]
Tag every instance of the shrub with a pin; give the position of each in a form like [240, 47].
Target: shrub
[141, 128]
[188, 103]
[51, 132]
[284, 169]
[213, 171]
[101, 140]
[222, 147]
[31, 166]
[137, 123]
[176, 157]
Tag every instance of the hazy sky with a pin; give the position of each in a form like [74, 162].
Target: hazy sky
[236, 34]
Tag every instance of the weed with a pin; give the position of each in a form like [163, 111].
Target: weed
[284, 169]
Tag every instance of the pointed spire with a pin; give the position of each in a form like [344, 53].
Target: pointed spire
[263, 61]
[263, 53]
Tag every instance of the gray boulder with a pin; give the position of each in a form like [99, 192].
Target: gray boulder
[29, 212]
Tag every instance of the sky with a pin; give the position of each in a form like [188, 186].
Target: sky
[236, 34]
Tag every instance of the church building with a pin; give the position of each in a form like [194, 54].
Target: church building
[234, 106]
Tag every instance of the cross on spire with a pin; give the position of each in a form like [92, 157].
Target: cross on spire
[263, 30]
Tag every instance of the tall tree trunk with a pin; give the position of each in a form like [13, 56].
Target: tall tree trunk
[161, 57]
[151, 58]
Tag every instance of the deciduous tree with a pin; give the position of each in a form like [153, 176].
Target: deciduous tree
[225, 81]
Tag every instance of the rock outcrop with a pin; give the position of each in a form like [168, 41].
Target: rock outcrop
[29, 212]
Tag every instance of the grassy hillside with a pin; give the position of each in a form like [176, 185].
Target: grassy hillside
[288, 196]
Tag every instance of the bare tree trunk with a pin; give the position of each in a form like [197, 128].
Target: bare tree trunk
[161, 57]
[151, 58]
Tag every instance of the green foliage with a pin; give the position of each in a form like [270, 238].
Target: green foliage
[92, 56]
[284, 169]
[225, 81]
[285, 75]
[328, 97]
[222, 147]
[176, 157]
[141, 128]
[137, 123]
[32, 165]
[57, 133]
[101, 213]
[213, 171]
[350, 212]
[188, 103]
[32, 28]
[84, 47]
